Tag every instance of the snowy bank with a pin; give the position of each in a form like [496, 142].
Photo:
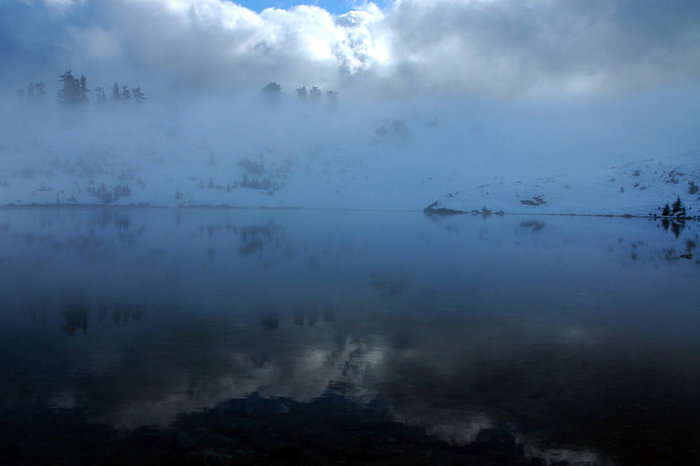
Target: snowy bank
[638, 188]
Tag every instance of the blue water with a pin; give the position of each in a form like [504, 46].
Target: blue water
[582, 334]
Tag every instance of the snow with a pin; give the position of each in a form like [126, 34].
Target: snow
[637, 188]
[241, 153]
[223, 156]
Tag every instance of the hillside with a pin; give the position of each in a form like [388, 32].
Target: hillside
[247, 153]
[636, 188]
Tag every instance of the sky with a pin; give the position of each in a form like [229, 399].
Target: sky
[509, 49]
[332, 6]
[435, 96]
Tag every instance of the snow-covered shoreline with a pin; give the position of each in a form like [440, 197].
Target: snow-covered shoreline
[638, 189]
[634, 189]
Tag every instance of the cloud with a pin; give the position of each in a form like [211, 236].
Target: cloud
[59, 4]
[507, 46]
[495, 47]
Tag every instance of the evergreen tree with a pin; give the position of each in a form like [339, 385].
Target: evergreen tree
[272, 94]
[126, 95]
[116, 94]
[40, 91]
[137, 95]
[70, 93]
[100, 96]
[677, 206]
[35, 93]
[272, 88]
[315, 92]
[302, 92]
[83, 89]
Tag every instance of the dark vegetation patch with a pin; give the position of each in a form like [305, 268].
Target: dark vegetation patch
[393, 129]
[109, 195]
[534, 201]
[673, 176]
[692, 187]
[434, 209]
[256, 176]
[674, 216]
[486, 212]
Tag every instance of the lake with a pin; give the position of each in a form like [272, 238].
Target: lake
[217, 336]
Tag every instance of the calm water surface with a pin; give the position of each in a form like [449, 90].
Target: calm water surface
[580, 337]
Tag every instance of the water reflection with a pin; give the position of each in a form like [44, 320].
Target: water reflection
[75, 316]
[534, 225]
[577, 336]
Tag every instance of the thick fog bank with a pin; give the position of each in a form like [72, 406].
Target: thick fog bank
[344, 150]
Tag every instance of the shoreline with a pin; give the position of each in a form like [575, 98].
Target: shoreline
[440, 212]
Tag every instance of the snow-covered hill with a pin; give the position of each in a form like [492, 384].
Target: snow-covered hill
[245, 153]
[298, 157]
[636, 188]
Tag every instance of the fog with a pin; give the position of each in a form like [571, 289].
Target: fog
[415, 99]
[304, 153]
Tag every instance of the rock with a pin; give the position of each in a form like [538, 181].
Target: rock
[433, 209]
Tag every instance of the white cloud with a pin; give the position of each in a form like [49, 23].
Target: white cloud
[97, 43]
[59, 4]
[502, 47]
